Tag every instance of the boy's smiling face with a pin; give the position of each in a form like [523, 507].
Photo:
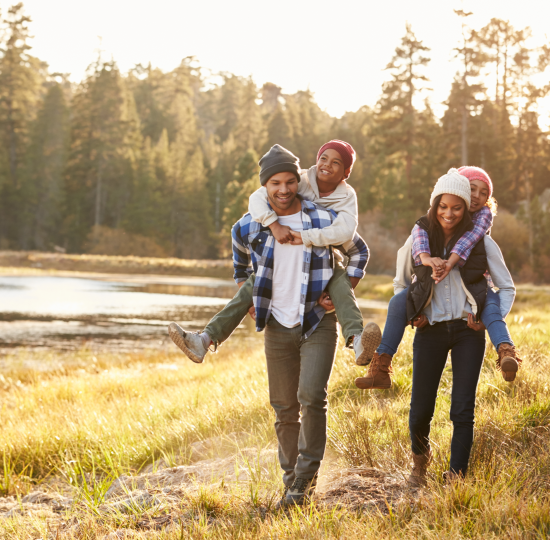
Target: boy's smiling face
[480, 194]
[330, 170]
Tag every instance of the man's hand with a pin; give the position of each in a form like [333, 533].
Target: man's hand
[354, 281]
[477, 326]
[325, 301]
[282, 233]
[421, 321]
[296, 238]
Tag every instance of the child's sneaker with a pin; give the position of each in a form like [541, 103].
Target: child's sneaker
[507, 361]
[366, 343]
[378, 375]
[189, 342]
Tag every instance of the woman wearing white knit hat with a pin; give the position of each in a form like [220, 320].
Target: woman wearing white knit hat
[440, 311]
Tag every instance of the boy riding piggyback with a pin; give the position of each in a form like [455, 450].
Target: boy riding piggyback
[324, 184]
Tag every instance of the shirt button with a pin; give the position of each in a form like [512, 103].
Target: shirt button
[446, 286]
[447, 300]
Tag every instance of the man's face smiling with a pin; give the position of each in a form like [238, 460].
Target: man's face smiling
[282, 189]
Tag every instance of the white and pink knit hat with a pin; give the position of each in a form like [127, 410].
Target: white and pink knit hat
[453, 183]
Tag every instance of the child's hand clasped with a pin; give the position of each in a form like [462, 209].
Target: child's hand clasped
[282, 233]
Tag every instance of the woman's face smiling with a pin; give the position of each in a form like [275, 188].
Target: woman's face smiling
[480, 194]
[449, 212]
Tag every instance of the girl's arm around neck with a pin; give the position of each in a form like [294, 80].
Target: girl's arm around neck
[483, 221]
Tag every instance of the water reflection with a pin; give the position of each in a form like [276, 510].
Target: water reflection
[112, 312]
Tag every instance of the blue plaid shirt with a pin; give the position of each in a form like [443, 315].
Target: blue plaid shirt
[253, 248]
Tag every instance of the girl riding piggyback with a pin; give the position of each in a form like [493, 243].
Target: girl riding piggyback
[482, 210]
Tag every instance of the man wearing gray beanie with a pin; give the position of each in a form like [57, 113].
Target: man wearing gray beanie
[276, 160]
[290, 305]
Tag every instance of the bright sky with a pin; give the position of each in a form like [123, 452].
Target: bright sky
[337, 49]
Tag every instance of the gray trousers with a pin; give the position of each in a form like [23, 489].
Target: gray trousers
[298, 372]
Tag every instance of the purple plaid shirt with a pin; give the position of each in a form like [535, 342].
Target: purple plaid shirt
[483, 221]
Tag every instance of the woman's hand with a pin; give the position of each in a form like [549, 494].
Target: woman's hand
[252, 312]
[437, 264]
[325, 301]
[421, 321]
[477, 326]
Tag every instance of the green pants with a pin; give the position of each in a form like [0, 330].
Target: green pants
[339, 288]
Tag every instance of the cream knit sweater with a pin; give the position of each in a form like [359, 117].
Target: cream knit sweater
[343, 200]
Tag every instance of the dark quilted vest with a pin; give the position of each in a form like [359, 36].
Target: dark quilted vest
[472, 274]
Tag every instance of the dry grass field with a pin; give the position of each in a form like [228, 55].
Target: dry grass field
[149, 445]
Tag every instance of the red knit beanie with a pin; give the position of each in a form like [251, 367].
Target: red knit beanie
[346, 151]
[477, 173]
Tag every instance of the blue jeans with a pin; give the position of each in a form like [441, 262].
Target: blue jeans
[396, 322]
[431, 346]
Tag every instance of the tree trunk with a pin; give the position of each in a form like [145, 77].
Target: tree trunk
[12, 151]
[97, 220]
[464, 136]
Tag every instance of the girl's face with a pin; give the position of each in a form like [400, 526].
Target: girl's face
[450, 212]
[480, 194]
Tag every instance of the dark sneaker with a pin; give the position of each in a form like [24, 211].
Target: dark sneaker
[189, 342]
[301, 491]
[365, 344]
[281, 505]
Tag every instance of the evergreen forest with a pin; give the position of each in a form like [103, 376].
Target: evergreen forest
[161, 163]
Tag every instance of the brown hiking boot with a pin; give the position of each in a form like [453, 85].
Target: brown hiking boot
[419, 471]
[378, 375]
[507, 361]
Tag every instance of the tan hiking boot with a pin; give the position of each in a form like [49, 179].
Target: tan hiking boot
[366, 344]
[507, 361]
[378, 375]
[419, 471]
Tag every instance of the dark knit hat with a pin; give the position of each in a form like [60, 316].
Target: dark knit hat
[278, 160]
[346, 151]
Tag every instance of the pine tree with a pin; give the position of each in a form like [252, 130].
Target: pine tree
[105, 142]
[396, 137]
[21, 76]
[46, 158]
[472, 59]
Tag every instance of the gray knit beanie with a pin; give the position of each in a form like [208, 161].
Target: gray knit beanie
[453, 183]
[277, 160]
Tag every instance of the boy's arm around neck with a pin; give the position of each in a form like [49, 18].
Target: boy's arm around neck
[342, 229]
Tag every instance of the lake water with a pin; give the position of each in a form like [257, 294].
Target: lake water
[122, 313]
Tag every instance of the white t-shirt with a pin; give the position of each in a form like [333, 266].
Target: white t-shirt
[288, 261]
